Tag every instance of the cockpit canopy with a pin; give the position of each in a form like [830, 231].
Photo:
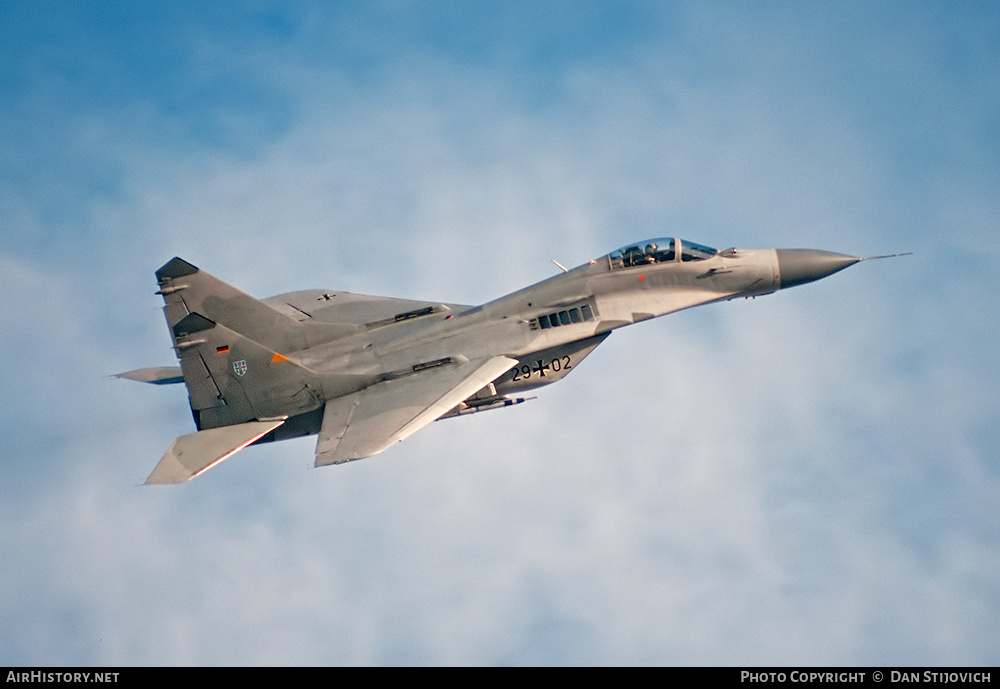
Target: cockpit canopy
[662, 250]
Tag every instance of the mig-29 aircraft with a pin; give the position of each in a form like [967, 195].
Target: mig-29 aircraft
[365, 372]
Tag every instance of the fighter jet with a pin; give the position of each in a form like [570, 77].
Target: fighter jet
[366, 372]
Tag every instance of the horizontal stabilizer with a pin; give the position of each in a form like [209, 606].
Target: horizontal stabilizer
[158, 375]
[196, 453]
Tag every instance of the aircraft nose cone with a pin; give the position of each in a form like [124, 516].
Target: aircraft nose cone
[799, 266]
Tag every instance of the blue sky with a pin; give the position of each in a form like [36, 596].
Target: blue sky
[807, 478]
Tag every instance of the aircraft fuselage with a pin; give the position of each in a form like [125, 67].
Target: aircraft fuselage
[582, 306]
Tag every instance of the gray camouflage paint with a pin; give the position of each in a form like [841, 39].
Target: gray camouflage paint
[364, 372]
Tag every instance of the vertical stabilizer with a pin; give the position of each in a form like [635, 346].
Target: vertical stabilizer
[186, 289]
[232, 379]
[235, 351]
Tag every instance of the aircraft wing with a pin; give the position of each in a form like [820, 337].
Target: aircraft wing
[369, 421]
